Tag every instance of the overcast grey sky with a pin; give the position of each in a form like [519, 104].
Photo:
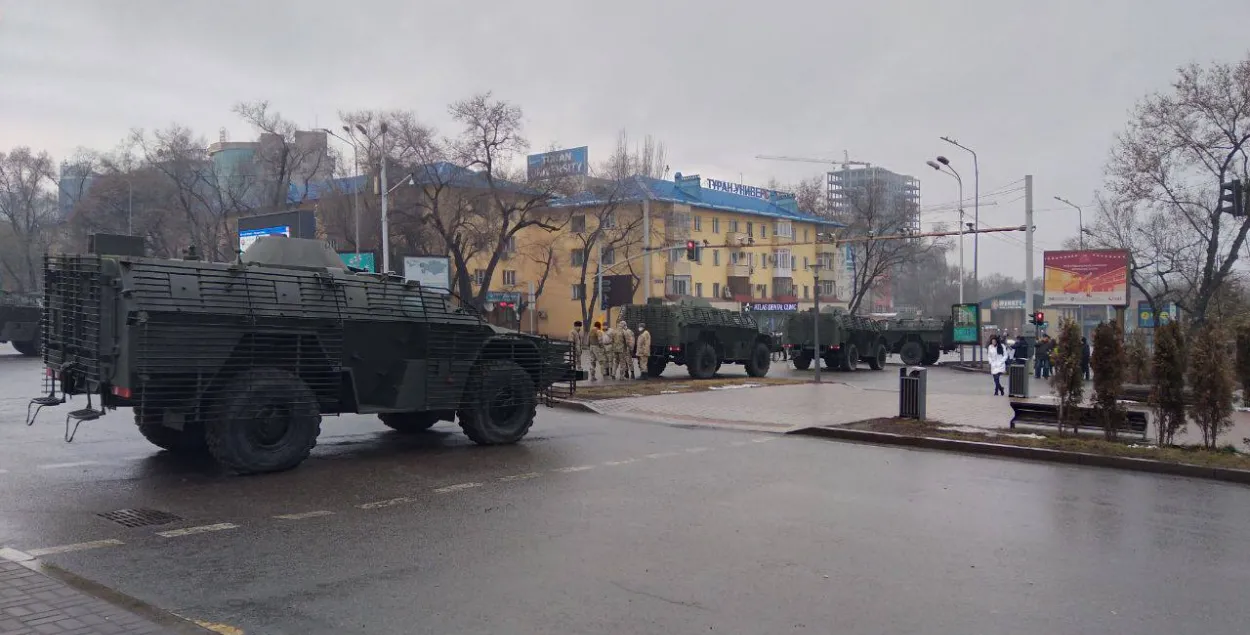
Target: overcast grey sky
[1033, 87]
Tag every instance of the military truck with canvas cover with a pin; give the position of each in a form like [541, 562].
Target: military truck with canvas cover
[694, 334]
[19, 322]
[845, 340]
[918, 341]
[243, 359]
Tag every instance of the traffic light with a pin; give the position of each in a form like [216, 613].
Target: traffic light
[692, 250]
[1233, 193]
[1038, 319]
[604, 291]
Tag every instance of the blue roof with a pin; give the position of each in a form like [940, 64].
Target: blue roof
[440, 173]
[673, 192]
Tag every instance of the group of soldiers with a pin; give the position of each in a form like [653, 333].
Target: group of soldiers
[612, 351]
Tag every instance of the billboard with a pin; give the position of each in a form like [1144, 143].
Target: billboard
[433, 272]
[1146, 315]
[966, 323]
[571, 162]
[1076, 278]
[249, 236]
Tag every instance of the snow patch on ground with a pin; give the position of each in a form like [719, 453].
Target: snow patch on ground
[732, 387]
[967, 430]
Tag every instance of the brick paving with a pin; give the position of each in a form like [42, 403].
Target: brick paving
[34, 604]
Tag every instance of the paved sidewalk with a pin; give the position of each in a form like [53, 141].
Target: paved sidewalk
[32, 603]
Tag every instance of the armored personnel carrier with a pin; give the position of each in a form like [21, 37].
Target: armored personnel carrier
[918, 341]
[845, 340]
[19, 322]
[693, 333]
[243, 359]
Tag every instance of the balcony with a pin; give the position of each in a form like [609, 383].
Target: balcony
[738, 270]
[677, 267]
[738, 239]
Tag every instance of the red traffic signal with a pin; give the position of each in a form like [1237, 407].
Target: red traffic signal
[692, 250]
[1038, 318]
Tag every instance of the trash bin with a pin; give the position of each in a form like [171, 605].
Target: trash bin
[912, 387]
[1018, 379]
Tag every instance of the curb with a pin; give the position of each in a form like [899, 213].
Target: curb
[1036, 454]
[576, 406]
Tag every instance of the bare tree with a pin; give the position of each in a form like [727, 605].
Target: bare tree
[288, 159]
[28, 210]
[1164, 174]
[874, 212]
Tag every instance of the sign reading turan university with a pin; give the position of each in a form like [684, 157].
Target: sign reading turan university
[1095, 278]
[550, 165]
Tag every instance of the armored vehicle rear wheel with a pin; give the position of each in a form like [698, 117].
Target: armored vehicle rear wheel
[912, 353]
[759, 361]
[877, 362]
[267, 420]
[409, 422]
[701, 361]
[850, 358]
[29, 348]
[803, 362]
[500, 403]
[188, 440]
[656, 365]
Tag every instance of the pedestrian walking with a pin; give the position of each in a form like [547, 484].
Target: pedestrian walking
[597, 356]
[1085, 352]
[642, 350]
[625, 354]
[996, 354]
[1041, 361]
[578, 337]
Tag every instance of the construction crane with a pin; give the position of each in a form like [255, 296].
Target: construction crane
[846, 161]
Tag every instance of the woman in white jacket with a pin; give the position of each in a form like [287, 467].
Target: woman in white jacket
[996, 353]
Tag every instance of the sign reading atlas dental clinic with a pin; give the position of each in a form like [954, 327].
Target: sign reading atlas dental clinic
[1092, 278]
[770, 306]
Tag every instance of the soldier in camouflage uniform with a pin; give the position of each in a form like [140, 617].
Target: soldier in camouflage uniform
[642, 349]
[625, 354]
[578, 337]
[596, 352]
[613, 352]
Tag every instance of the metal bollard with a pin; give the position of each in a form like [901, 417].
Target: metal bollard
[912, 388]
[1018, 379]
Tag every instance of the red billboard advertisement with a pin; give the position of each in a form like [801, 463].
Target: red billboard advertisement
[1097, 277]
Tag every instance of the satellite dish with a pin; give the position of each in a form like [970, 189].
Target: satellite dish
[488, 306]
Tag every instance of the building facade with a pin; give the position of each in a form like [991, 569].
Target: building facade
[897, 189]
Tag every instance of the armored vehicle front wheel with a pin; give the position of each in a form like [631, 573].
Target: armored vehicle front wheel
[188, 440]
[409, 422]
[264, 420]
[877, 362]
[656, 365]
[759, 361]
[499, 403]
[29, 348]
[803, 362]
[850, 358]
[912, 353]
[701, 361]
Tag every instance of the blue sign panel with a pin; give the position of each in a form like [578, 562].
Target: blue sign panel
[770, 306]
[364, 261]
[747, 190]
[571, 162]
[249, 236]
[1146, 317]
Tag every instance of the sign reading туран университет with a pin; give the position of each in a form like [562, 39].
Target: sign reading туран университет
[746, 190]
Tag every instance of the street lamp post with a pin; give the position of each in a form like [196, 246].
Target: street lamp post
[815, 267]
[1080, 225]
[386, 232]
[938, 165]
[356, 189]
[976, 217]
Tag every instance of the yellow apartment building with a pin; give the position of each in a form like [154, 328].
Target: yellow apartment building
[755, 250]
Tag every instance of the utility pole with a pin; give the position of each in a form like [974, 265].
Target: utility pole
[386, 230]
[815, 267]
[646, 240]
[1028, 256]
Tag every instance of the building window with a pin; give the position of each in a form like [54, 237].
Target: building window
[675, 255]
[807, 265]
[715, 289]
[782, 258]
[805, 234]
[784, 229]
[579, 291]
[509, 277]
[761, 290]
[698, 223]
[698, 289]
[733, 226]
[805, 288]
[750, 229]
[677, 285]
[608, 254]
[715, 225]
[763, 231]
[578, 224]
[479, 277]
[509, 246]
[827, 289]
[608, 221]
[716, 257]
[578, 257]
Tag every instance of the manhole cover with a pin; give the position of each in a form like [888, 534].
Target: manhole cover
[140, 517]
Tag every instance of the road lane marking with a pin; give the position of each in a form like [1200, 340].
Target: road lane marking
[13, 555]
[82, 546]
[762, 439]
[456, 488]
[202, 529]
[575, 468]
[695, 450]
[303, 515]
[662, 455]
[390, 502]
[519, 477]
[61, 466]
[216, 627]
[621, 462]
[738, 444]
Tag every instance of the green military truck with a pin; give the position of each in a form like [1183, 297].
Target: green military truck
[702, 338]
[241, 360]
[19, 322]
[918, 341]
[845, 340]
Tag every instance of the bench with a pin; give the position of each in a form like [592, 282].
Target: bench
[1047, 414]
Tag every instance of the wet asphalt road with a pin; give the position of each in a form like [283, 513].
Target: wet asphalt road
[596, 525]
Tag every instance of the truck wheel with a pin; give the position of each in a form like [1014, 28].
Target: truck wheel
[189, 440]
[877, 362]
[500, 403]
[701, 363]
[759, 361]
[803, 362]
[267, 420]
[29, 348]
[931, 356]
[850, 358]
[656, 365]
[409, 422]
[912, 353]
